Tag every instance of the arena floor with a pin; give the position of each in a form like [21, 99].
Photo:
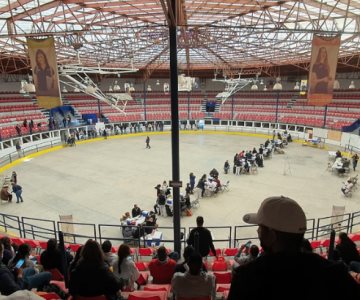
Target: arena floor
[99, 181]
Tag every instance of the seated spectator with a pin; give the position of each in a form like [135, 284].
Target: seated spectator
[194, 283]
[4, 194]
[162, 268]
[246, 254]
[75, 260]
[51, 257]
[136, 211]
[9, 281]
[8, 250]
[125, 269]
[338, 154]
[125, 217]
[347, 187]
[137, 231]
[109, 257]
[282, 225]
[214, 173]
[23, 264]
[183, 267]
[348, 252]
[150, 223]
[91, 276]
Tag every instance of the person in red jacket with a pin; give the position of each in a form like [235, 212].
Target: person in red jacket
[162, 268]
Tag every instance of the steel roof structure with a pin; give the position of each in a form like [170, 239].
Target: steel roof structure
[228, 36]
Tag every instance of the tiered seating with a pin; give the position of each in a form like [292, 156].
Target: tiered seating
[261, 106]
[13, 111]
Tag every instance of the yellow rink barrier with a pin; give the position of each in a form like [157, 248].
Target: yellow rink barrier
[145, 133]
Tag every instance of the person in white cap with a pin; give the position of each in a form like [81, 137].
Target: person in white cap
[284, 271]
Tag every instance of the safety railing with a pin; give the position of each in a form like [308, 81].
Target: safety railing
[223, 236]
[338, 223]
[34, 228]
[10, 157]
[220, 234]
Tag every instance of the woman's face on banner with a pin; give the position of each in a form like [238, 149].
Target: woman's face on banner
[323, 54]
[40, 58]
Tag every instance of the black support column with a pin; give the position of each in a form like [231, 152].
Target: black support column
[175, 128]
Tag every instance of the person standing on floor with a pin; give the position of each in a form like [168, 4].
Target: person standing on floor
[147, 141]
[355, 159]
[192, 181]
[200, 238]
[13, 177]
[17, 189]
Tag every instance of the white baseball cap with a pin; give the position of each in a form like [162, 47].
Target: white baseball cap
[279, 213]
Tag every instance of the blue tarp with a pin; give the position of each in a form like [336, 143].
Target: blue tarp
[352, 127]
[90, 118]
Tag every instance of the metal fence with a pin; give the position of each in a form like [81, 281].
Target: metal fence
[223, 236]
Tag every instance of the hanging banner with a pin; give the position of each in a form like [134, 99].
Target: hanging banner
[44, 67]
[324, 57]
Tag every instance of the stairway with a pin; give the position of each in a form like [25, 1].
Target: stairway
[210, 114]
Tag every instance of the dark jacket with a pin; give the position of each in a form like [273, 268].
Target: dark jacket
[205, 241]
[89, 280]
[293, 276]
[16, 188]
[8, 282]
[348, 252]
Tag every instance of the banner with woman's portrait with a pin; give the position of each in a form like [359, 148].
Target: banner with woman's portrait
[324, 57]
[44, 68]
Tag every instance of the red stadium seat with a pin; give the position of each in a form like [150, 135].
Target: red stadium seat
[223, 277]
[148, 295]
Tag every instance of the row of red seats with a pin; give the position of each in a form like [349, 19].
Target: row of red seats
[126, 118]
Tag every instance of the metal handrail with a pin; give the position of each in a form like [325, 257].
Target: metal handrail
[14, 223]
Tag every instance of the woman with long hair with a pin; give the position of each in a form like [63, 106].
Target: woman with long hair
[31, 275]
[125, 268]
[91, 276]
[347, 250]
[321, 73]
[44, 74]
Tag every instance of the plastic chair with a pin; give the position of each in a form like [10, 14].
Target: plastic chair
[220, 288]
[355, 237]
[74, 247]
[230, 251]
[143, 278]
[218, 252]
[315, 244]
[148, 295]
[48, 296]
[17, 241]
[56, 275]
[141, 266]
[158, 287]
[61, 285]
[145, 252]
[223, 277]
[219, 265]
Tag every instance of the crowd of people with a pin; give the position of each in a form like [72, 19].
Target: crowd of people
[257, 273]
